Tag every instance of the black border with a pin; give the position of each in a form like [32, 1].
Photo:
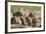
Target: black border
[6, 22]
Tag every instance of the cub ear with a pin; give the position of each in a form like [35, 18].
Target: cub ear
[31, 15]
[13, 20]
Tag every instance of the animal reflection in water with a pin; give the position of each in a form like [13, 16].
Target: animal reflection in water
[24, 20]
